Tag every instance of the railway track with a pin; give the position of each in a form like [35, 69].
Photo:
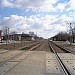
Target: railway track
[43, 47]
[36, 58]
[56, 49]
[6, 55]
[9, 59]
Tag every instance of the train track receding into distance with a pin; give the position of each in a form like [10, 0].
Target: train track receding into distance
[56, 49]
[42, 57]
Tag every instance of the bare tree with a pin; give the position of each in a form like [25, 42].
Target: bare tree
[13, 32]
[71, 26]
[6, 33]
[62, 36]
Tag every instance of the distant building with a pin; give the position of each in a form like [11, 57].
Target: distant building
[31, 34]
[0, 35]
[22, 37]
[26, 37]
[61, 37]
[18, 37]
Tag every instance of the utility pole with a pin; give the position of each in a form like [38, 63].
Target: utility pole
[8, 34]
[72, 32]
[6, 37]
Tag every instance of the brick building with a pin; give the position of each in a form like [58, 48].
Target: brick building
[18, 37]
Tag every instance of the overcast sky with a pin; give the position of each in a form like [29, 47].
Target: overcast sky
[47, 17]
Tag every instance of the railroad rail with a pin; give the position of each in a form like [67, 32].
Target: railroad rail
[63, 67]
[49, 58]
[64, 49]
[11, 54]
